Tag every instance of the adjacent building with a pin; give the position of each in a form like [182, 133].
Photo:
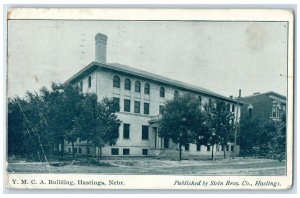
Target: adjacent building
[264, 106]
[142, 96]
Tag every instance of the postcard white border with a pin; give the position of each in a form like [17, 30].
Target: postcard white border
[166, 181]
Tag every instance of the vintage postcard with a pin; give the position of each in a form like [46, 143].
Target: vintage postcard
[150, 99]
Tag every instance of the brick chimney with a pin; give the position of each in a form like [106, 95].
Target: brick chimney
[100, 52]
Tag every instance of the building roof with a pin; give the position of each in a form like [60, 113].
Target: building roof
[147, 75]
[266, 93]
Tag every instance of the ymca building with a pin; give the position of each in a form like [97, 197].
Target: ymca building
[142, 96]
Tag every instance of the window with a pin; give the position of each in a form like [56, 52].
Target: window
[200, 99]
[126, 151]
[228, 107]
[208, 147]
[88, 150]
[114, 151]
[222, 148]
[162, 92]
[198, 147]
[69, 150]
[166, 142]
[147, 88]
[250, 112]
[127, 85]
[137, 106]
[126, 105]
[116, 82]
[90, 81]
[227, 148]
[274, 111]
[145, 132]
[80, 86]
[232, 108]
[137, 86]
[146, 108]
[187, 147]
[75, 150]
[126, 131]
[116, 100]
[232, 148]
[161, 109]
[79, 150]
[145, 151]
[176, 94]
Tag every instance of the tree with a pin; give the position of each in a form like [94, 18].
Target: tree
[40, 122]
[61, 105]
[249, 130]
[279, 140]
[183, 121]
[221, 122]
[98, 122]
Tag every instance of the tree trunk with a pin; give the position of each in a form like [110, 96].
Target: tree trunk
[62, 148]
[73, 148]
[86, 147]
[212, 152]
[179, 151]
[100, 156]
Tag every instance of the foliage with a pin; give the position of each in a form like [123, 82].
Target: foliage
[183, 121]
[222, 122]
[249, 131]
[265, 139]
[38, 123]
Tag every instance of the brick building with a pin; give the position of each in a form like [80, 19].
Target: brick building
[141, 96]
[264, 106]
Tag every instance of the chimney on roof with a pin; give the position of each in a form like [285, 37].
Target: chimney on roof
[240, 93]
[100, 44]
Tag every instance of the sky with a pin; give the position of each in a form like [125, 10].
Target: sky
[220, 56]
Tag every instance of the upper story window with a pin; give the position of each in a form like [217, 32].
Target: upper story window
[274, 114]
[283, 107]
[116, 81]
[137, 107]
[126, 105]
[89, 81]
[147, 88]
[162, 92]
[116, 101]
[250, 110]
[127, 85]
[146, 108]
[228, 107]
[80, 86]
[233, 108]
[176, 94]
[137, 86]
[200, 99]
[161, 109]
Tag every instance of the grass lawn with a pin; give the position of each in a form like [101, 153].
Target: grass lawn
[237, 166]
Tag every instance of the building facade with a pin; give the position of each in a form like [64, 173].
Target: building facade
[141, 96]
[264, 106]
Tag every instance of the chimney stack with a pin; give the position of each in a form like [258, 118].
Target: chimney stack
[240, 93]
[101, 41]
